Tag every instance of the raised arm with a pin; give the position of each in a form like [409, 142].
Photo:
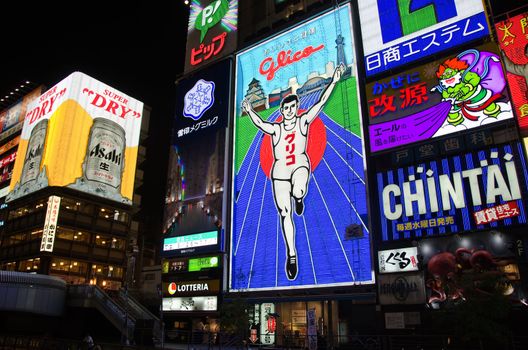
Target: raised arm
[255, 118]
[310, 115]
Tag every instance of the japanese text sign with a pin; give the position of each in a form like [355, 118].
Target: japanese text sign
[50, 224]
[211, 32]
[397, 32]
[398, 260]
[477, 190]
[461, 91]
[513, 40]
[195, 186]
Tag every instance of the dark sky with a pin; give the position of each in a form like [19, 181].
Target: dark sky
[136, 47]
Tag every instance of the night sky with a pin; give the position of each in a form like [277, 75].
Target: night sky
[135, 47]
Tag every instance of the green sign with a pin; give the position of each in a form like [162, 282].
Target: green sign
[210, 16]
[198, 264]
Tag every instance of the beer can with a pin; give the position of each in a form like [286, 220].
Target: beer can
[34, 153]
[104, 162]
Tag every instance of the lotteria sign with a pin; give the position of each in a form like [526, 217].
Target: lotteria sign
[477, 190]
[397, 32]
[199, 287]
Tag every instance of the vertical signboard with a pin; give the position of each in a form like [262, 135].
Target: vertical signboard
[81, 134]
[471, 191]
[268, 323]
[195, 180]
[513, 40]
[462, 91]
[397, 32]
[211, 32]
[299, 171]
[50, 224]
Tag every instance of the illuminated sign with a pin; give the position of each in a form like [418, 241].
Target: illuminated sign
[9, 144]
[459, 92]
[513, 41]
[190, 264]
[398, 260]
[196, 182]
[268, 323]
[476, 190]
[397, 32]
[50, 224]
[199, 287]
[81, 134]
[199, 264]
[12, 119]
[207, 303]
[211, 32]
[191, 243]
[299, 171]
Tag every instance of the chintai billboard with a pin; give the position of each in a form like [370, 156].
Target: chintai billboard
[299, 202]
[472, 191]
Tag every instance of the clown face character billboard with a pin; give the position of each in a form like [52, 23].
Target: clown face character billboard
[298, 185]
[462, 91]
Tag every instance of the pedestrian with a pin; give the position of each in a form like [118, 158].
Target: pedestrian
[87, 342]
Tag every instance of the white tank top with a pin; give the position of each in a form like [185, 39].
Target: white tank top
[289, 151]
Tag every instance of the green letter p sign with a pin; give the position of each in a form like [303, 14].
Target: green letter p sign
[210, 16]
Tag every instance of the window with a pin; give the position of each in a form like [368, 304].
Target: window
[73, 235]
[29, 265]
[69, 265]
[109, 242]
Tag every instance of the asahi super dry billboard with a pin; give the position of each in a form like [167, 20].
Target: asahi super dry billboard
[81, 134]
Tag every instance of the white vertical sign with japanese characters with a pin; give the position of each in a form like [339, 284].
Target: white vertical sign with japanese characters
[50, 224]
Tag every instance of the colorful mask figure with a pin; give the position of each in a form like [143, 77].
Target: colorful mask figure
[472, 82]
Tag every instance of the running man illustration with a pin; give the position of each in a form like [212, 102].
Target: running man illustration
[290, 172]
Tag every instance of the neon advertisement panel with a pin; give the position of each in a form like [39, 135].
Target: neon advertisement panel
[193, 243]
[298, 162]
[211, 31]
[513, 41]
[462, 91]
[194, 195]
[81, 134]
[472, 191]
[397, 32]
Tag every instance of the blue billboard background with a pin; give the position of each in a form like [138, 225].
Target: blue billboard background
[336, 195]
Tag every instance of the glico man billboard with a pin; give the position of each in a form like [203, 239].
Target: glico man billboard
[299, 203]
[81, 134]
[211, 32]
[513, 39]
[462, 91]
[472, 191]
[397, 32]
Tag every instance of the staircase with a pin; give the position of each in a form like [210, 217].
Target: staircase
[123, 311]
